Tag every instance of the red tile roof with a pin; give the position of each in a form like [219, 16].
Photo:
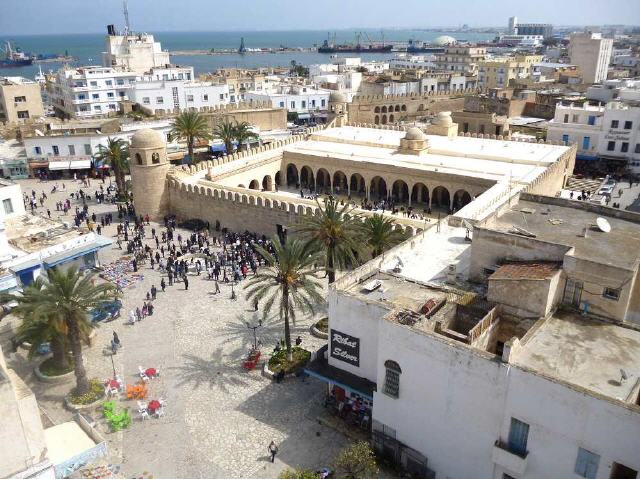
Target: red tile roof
[533, 270]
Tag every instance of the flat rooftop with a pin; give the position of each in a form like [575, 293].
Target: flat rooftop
[31, 233]
[66, 441]
[565, 224]
[492, 159]
[586, 352]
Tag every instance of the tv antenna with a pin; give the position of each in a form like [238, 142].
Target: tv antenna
[127, 25]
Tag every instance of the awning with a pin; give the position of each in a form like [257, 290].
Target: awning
[30, 264]
[59, 165]
[80, 164]
[38, 164]
[73, 253]
[320, 368]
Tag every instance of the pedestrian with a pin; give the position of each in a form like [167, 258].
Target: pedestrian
[116, 339]
[298, 341]
[217, 287]
[255, 305]
[163, 285]
[273, 450]
[154, 291]
[186, 283]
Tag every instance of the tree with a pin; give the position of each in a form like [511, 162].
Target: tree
[379, 234]
[243, 133]
[288, 279]
[64, 301]
[226, 132]
[333, 231]
[116, 155]
[190, 126]
[38, 330]
[356, 461]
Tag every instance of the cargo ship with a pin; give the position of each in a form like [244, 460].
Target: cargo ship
[14, 58]
[329, 46]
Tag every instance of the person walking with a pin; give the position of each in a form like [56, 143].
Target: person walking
[255, 305]
[186, 283]
[217, 287]
[154, 292]
[163, 285]
[273, 450]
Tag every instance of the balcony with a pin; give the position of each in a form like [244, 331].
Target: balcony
[510, 460]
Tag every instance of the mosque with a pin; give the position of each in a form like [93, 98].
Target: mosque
[429, 175]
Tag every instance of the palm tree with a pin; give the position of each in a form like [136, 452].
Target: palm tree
[116, 154]
[243, 133]
[333, 231]
[227, 133]
[38, 330]
[190, 126]
[288, 279]
[63, 302]
[379, 234]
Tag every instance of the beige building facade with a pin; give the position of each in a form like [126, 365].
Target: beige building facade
[498, 72]
[20, 100]
[460, 59]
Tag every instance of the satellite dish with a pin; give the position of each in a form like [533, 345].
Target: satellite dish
[603, 225]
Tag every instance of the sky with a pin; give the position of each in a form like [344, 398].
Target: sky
[90, 16]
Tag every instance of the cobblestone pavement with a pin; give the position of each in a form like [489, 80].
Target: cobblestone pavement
[219, 418]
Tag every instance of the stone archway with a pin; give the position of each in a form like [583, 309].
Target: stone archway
[378, 188]
[277, 178]
[307, 178]
[241, 186]
[404, 108]
[323, 180]
[357, 185]
[376, 120]
[384, 119]
[397, 108]
[340, 183]
[254, 185]
[441, 198]
[391, 118]
[293, 178]
[420, 195]
[267, 183]
[383, 110]
[461, 198]
[376, 109]
[400, 191]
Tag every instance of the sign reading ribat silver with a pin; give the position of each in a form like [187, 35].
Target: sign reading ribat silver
[345, 348]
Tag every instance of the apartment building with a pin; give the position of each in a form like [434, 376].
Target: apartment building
[301, 99]
[592, 54]
[134, 52]
[497, 72]
[20, 100]
[460, 59]
[581, 124]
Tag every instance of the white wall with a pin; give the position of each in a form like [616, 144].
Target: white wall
[13, 193]
[158, 95]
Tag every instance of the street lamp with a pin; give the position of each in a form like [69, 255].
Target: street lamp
[255, 337]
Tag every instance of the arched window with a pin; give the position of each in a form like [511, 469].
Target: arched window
[392, 378]
[155, 158]
[138, 159]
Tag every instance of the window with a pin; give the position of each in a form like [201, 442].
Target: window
[159, 100]
[322, 102]
[87, 149]
[81, 97]
[587, 464]
[611, 146]
[38, 150]
[585, 142]
[8, 207]
[518, 436]
[281, 104]
[624, 147]
[23, 114]
[205, 97]
[293, 105]
[138, 159]
[56, 150]
[109, 82]
[121, 93]
[145, 100]
[592, 120]
[313, 103]
[189, 97]
[155, 158]
[222, 96]
[620, 471]
[565, 139]
[20, 99]
[94, 83]
[628, 125]
[392, 378]
[97, 108]
[611, 293]
[614, 124]
[575, 118]
[72, 150]
[120, 82]
[110, 94]
[95, 96]
[566, 118]
[304, 104]
[637, 150]
[180, 76]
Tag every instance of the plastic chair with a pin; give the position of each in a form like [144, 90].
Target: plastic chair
[141, 407]
[159, 412]
[144, 414]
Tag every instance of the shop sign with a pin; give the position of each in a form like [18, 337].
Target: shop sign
[345, 348]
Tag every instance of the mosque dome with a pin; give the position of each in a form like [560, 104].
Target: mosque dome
[147, 138]
[337, 97]
[414, 133]
[444, 40]
[442, 119]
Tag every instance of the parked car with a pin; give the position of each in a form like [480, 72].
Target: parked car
[108, 311]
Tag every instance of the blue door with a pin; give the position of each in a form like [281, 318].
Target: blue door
[565, 139]
[26, 277]
[592, 120]
[585, 142]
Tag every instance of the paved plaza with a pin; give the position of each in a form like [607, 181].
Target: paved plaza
[219, 418]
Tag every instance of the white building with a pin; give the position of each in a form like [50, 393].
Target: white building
[413, 62]
[616, 89]
[90, 92]
[135, 52]
[592, 54]
[608, 132]
[178, 95]
[347, 83]
[302, 99]
[345, 64]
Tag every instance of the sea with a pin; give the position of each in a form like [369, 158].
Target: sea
[88, 48]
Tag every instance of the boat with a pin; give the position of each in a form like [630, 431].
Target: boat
[14, 58]
[329, 46]
[423, 47]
